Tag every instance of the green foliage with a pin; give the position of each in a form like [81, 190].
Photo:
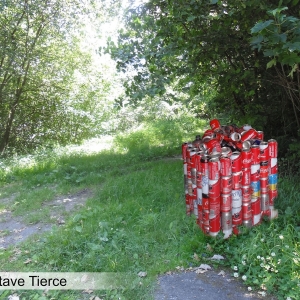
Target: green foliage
[163, 136]
[43, 98]
[279, 38]
[174, 107]
[289, 164]
[195, 42]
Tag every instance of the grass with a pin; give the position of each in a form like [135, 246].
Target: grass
[135, 221]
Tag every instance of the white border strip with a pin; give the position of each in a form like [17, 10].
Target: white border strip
[62, 281]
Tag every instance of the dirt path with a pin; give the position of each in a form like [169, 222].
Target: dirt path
[14, 230]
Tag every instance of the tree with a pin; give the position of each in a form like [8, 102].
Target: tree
[279, 39]
[196, 41]
[40, 52]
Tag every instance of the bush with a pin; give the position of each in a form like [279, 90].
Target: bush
[160, 137]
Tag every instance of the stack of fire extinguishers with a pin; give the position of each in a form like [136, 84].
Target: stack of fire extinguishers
[230, 178]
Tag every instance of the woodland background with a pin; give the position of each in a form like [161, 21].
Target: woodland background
[168, 60]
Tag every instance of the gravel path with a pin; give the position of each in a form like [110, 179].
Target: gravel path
[210, 285]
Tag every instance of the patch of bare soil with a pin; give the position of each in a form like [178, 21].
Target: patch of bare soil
[14, 230]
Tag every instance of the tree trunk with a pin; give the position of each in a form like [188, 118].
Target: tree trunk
[6, 135]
